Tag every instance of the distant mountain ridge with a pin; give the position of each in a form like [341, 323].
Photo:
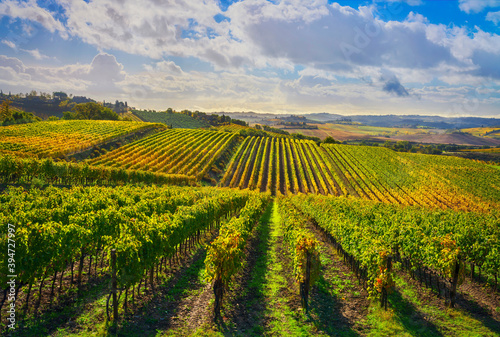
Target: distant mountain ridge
[411, 120]
[374, 120]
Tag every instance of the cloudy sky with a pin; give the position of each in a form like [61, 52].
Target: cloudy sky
[290, 56]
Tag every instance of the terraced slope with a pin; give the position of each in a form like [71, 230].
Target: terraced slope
[59, 138]
[288, 166]
[174, 151]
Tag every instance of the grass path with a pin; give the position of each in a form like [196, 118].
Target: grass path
[285, 318]
[416, 311]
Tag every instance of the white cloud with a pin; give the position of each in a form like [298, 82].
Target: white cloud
[349, 56]
[104, 68]
[493, 17]
[169, 67]
[35, 53]
[476, 6]
[165, 84]
[352, 41]
[261, 34]
[29, 10]
[98, 78]
[13, 63]
[10, 44]
[151, 28]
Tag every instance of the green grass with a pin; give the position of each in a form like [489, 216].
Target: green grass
[87, 311]
[410, 315]
[327, 297]
[283, 320]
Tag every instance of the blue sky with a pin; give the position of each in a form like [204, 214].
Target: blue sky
[347, 57]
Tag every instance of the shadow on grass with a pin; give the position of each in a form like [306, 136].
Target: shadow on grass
[248, 308]
[69, 306]
[327, 309]
[410, 317]
[478, 312]
[155, 314]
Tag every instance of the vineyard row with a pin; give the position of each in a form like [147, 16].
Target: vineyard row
[287, 166]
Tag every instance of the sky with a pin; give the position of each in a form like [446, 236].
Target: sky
[402, 57]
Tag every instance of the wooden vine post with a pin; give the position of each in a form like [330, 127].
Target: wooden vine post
[305, 285]
[80, 269]
[114, 285]
[454, 283]
[219, 293]
[384, 298]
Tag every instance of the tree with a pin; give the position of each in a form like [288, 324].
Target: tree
[61, 96]
[93, 110]
[68, 115]
[329, 140]
[10, 116]
[4, 111]
[239, 122]
[67, 104]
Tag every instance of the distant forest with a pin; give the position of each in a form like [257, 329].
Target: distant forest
[44, 104]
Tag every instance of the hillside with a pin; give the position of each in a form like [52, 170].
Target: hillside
[490, 132]
[413, 121]
[62, 138]
[388, 121]
[359, 132]
[451, 138]
[174, 151]
[174, 120]
[286, 166]
[297, 238]
[278, 165]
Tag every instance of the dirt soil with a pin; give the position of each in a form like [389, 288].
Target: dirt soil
[351, 307]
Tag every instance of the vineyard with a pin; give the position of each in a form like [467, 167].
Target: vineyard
[174, 120]
[237, 128]
[492, 132]
[141, 228]
[298, 238]
[231, 127]
[174, 151]
[16, 170]
[136, 238]
[288, 166]
[131, 116]
[59, 138]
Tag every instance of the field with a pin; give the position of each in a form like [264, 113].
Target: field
[491, 155]
[291, 238]
[237, 128]
[59, 138]
[291, 166]
[131, 116]
[484, 132]
[343, 132]
[175, 120]
[232, 127]
[174, 151]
